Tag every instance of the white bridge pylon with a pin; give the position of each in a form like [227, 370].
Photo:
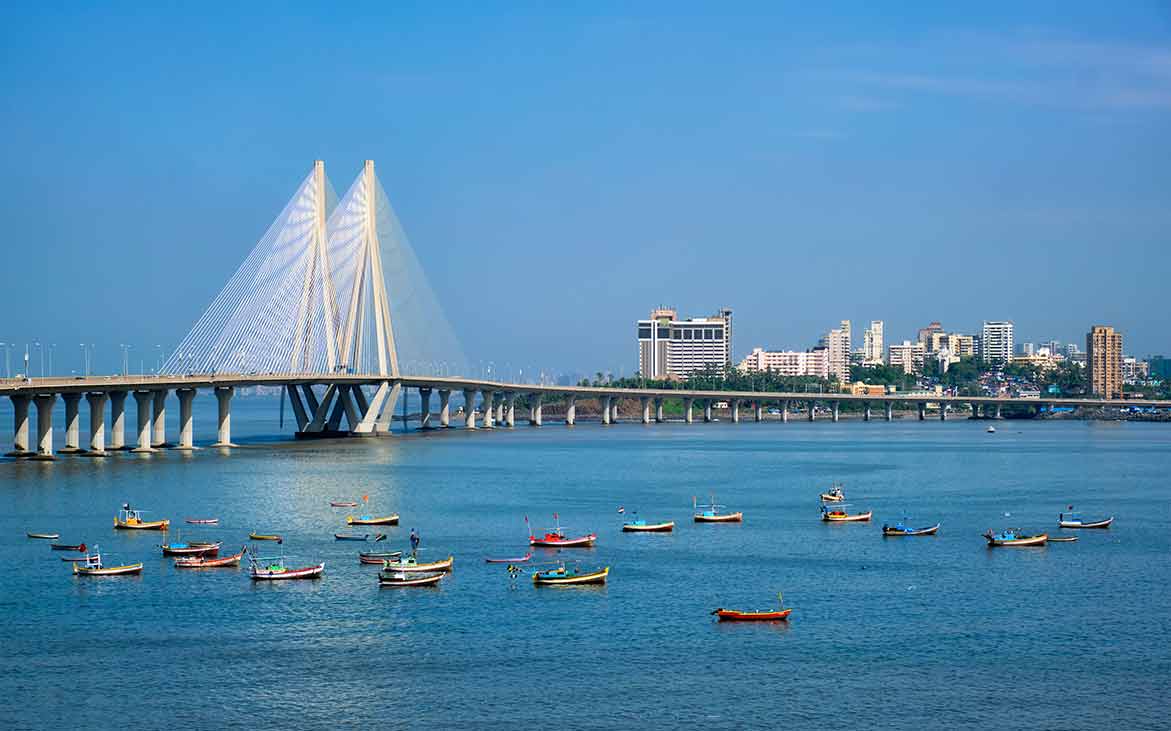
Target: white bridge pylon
[310, 299]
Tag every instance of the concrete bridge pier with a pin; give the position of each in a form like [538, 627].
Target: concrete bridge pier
[866, 411]
[117, 420]
[424, 408]
[570, 410]
[72, 423]
[469, 408]
[19, 426]
[160, 420]
[997, 414]
[614, 410]
[488, 418]
[735, 411]
[142, 401]
[186, 427]
[499, 401]
[758, 411]
[444, 408]
[890, 411]
[687, 410]
[975, 410]
[836, 410]
[646, 409]
[45, 403]
[97, 424]
[942, 411]
[535, 410]
[922, 410]
[605, 401]
[224, 395]
[659, 411]
[785, 412]
[707, 410]
[812, 410]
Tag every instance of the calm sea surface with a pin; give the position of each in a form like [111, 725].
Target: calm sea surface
[904, 632]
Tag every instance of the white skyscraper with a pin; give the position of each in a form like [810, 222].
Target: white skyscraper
[872, 344]
[837, 342]
[996, 342]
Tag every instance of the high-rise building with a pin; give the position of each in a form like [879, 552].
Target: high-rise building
[872, 344]
[813, 362]
[925, 333]
[1104, 361]
[996, 341]
[837, 342]
[1026, 349]
[908, 356]
[672, 348]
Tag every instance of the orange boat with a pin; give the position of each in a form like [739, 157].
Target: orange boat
[837, 514]
[735, 615]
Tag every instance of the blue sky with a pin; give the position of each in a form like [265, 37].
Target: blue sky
[561, 172]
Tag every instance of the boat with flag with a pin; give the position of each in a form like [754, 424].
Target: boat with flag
[781, 613]
[94, 566]
[1014, 537]
[556, 537]
[713, 512]
[562, 575]
[1074, 520]
[391, 519]
[131, 519]
[904, 528]
[207, 562]
[839, 514]
[80, 547]
[273, 568]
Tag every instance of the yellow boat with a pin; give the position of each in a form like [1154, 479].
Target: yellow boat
[93, 566]
[131, 519]
[254, 536]
[411, 565]
[372, 519]
[563, 576]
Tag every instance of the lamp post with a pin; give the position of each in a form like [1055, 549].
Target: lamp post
[125, 358]
[52, 347]
[41, 350]
[7, 371]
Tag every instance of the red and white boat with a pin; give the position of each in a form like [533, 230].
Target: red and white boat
[556, 537]
[274, 569]
[194, 548]
[203, 562]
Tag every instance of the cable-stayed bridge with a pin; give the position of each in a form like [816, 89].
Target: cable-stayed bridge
[322, 307]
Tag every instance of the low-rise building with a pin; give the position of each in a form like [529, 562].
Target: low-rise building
[813, 362]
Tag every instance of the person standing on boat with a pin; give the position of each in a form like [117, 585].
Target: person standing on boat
[414, 542]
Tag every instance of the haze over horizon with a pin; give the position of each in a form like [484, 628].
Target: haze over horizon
[562, 172]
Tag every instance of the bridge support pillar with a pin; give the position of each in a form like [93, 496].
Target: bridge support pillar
[97, 424]
[45, 404]
[469, 408]
[118, 420]
[186, 427]
[836, 409]
[812, 410]
[444, 408]
[299, 413]
[605, 403]
[614, 410]
[890, 411]
[922, 410]
[687, 410]
[735, 411]
[224, 395]
[975, 410]
[488, 415]
[19, 426]
[785, 412]
[866, 411]
[160, 420]
[707, 410]
[535, 410]
[659, 419]
[570, 410]
[510, 410]
[424, 408]
[997, 414]
[142, 401]
[72, 423]
[758, 411]
[499, 408]
[645, 402]
[942, 411]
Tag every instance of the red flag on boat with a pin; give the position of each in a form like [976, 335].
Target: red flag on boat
[365, 498]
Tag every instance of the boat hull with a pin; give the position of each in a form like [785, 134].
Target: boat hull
[406, 580]
[347, 537]
[308, 572]
[44, 536]
[64, 547]
[582, 542]
[855, 518]
[202, 521]
[134, 568]
[343, 504]
[733, 615]
[1062, 539]
[1100, 524]
[203, 562]
[392, 567]
[888, 531]
[383, 520]
[263, 537]
[521, 559]
[649, 527]
[596, 577]
[725, 518]
[378, 559]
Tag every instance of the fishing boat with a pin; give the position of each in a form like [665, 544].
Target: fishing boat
[93, 566]
[991, 430]
[44, 536]
[838, 514]
[522, 559]
[738, 615]
[411, 565]
[902, 529]
[351, 536]
[194, 548]
[833, 495]
[378, 558]
[711, 513]
[274, 569]
[372, 519]
[1074, 520]
[343, 504]
[80, 547]
[1014, 537]
[556, 537]
[202, 521]
[74, 559]
[131, 519]
[399, 578]
[254, 536]
[1062, 539]
[206, 562]
[569, 576]
[641, 526]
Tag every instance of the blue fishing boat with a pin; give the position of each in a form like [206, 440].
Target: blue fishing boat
[902, 528]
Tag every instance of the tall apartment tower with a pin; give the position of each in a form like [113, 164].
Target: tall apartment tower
[872, 343]
[837, 342]
[1104, 361]
[996, 341]
[672, 348]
